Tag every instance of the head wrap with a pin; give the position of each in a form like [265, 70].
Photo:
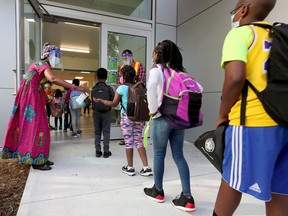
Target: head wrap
[46, 49]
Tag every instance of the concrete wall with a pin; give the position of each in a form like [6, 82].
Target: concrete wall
[7, 62]
[166, 20]
[201, 29]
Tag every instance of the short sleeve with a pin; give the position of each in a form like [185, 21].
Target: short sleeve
[39, 66]
[236, 45]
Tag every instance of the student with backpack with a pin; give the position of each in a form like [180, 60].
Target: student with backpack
[167, 55]
[127, 59]
[131, 130]
[102, 113]
[75, 108]
[256, 150]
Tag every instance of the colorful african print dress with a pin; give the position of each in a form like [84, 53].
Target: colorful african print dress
[28, 136]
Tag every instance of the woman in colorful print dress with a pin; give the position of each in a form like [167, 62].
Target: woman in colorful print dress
[28, 136]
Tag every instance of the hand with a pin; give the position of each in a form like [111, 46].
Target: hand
[221, 120]
[98, 100]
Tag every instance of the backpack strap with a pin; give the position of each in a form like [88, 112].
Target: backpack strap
[262, 25]
[244, 99]
[121, 102]
[243, 104]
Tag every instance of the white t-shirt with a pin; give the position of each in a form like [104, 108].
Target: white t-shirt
[155, 89]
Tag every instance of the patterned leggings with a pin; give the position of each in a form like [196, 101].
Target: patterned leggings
[132, 132]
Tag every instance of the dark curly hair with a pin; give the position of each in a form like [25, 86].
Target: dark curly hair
[58, 93]
[129, 74]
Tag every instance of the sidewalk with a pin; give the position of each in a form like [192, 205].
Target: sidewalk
[81, 184]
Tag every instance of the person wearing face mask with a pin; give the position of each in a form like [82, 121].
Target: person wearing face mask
[256, 152]
[28, 136]
[127, 58]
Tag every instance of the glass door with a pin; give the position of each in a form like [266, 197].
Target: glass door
[118, 39]
[117, 42]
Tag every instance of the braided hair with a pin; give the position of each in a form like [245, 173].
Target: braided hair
[169, 55]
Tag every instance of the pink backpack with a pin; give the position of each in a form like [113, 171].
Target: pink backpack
[182, 100]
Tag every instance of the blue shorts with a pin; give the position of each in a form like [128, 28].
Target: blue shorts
[256, 160]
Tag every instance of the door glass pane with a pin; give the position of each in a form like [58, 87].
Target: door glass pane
[118, 42]
[134, 8]
[31, 35]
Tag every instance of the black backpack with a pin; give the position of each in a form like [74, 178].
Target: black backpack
[275, 96]
[137, 105]
[101, 90]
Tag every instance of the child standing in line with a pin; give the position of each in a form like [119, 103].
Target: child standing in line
[76, 112]
[101, 113]
[131, 130]
[57, 108]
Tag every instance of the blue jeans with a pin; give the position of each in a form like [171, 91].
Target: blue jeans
[162, 131]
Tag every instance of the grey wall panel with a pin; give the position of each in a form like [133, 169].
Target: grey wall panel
[211, 103]
[7, 44]
[166, 12]
[279, 13]
[165, 32]
[7, 62]
[189, 8]
[201, 41]
[7, 101]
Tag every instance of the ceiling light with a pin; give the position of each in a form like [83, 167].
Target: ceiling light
[85, 72]
[77, 24]
[30, 19]
[78, 77]
[74, 50]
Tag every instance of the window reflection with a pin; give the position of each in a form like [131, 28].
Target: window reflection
[31, 35]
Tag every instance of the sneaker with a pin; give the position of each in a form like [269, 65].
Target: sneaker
[146, 172]
[79, 131]
[74, 134]
[154, 194]
[184, 203]
[122, 142]
[107, 154]
[129, 171]
[99, 153]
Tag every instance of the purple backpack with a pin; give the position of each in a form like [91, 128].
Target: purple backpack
[182, 100]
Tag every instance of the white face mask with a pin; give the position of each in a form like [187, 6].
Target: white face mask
[236, 23]
[127, 62]
[54, 61]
